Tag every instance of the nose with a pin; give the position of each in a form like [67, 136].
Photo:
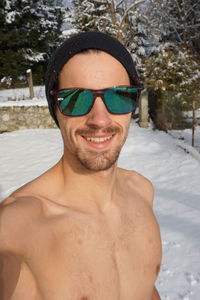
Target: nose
[98, 117]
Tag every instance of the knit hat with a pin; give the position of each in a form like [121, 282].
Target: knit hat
[81, 42]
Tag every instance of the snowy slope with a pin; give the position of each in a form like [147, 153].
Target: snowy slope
[174, 173]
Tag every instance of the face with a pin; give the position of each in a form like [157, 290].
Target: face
[93, 141]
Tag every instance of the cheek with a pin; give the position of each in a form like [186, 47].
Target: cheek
[68, 127]
[64, 126]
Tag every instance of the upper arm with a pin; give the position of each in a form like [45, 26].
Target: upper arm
[8, 226]
[9, 273]
[17, 223]
[16, 219]
[9, 262]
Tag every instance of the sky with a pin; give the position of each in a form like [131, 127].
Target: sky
[171, 164]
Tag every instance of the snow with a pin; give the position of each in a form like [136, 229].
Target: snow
[21, 93]
[10, 17]
[183, 139]
[189, 113]
[174, 172]
[69, 32]
[31, 102]
[8, 4]
[34, 56]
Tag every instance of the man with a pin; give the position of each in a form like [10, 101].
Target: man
[85, 229]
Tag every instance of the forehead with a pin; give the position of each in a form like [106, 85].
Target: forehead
[93, 69]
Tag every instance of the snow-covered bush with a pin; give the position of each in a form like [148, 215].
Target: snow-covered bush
[173, 77]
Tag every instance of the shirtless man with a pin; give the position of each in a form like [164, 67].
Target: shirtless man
[85, 229]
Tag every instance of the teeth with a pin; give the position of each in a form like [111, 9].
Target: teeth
[99, 139]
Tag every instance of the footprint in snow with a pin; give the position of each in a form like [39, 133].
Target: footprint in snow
[171, 244]
[186, 296]
[191, 279]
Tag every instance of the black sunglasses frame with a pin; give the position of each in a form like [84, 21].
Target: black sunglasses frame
[97, 93]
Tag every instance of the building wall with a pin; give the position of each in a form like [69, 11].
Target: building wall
[25, 117]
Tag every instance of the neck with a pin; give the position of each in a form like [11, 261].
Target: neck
[80, 187]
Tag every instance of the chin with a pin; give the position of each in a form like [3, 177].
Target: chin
[98, 161]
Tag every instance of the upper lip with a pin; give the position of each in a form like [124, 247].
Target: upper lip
[97, 136]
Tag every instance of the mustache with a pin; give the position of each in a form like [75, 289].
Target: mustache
[93, 131]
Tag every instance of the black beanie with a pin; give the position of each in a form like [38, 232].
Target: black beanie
[78, 43]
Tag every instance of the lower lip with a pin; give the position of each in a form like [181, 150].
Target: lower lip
[100, 145]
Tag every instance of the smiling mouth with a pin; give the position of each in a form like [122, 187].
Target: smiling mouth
[97, 139]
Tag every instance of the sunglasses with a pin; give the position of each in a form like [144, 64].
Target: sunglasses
[79, 101]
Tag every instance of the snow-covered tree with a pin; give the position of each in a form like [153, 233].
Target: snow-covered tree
[122, 19]
[159, 34]
[29, 32]
[177, 21]
[173, 76]
[171, 72]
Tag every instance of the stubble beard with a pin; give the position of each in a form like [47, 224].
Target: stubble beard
[99, 160]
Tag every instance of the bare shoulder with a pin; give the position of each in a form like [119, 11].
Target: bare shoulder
[139, 184]
[17, 215]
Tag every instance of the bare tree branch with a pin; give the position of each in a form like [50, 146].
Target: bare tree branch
[192, 8]
[180, 11]
[111, 5]
[119, 3]
[129, 8]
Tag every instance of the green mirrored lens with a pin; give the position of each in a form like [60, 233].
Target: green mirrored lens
[121, 100]
[74, 102]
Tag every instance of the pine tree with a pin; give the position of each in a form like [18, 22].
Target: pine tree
[29, 32]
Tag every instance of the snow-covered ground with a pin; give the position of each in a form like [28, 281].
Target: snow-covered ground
[185, 138]
[175, 173]
[20, 94]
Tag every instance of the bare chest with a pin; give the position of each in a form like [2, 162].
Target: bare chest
[88, 258]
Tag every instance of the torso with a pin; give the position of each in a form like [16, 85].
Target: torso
[74, 255]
